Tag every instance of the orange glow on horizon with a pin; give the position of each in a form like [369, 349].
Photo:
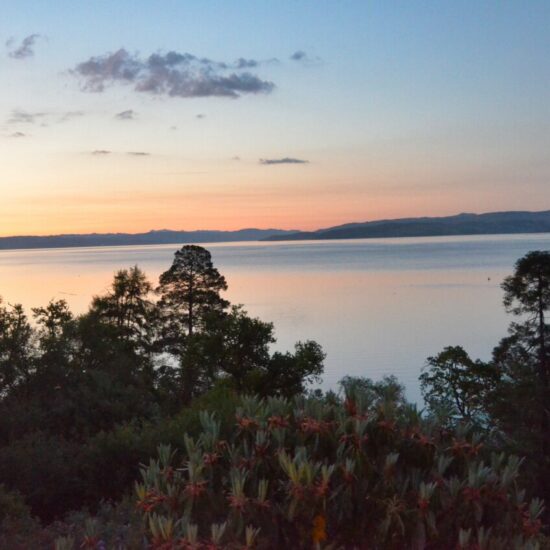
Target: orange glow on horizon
[73, 195]
[300, 216]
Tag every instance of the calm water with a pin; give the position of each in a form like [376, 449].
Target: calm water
[377, 306]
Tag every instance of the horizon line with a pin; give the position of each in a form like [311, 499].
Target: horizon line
[293, 230]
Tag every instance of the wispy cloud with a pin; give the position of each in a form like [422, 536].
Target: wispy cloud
[129, 114]
[171, 74]
[285, 160]
[298, 55]
[19, 116]
[24, 49]
[304, 58]
[17, 135]
[69, 115]
[242, 63]
[200, 115]
[105, 152]
[25, 117]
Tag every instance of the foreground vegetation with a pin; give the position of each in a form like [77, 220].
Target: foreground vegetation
[357, 474]
[247, 456]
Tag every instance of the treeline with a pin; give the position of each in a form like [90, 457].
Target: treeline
[139, 356]
[85, 399]
[508, 398]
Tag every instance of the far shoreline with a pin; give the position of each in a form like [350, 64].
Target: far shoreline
[269, 242]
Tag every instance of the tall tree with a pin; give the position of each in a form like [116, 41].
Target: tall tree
[527, 294]
[523, 398]
[190, 290]
[127, 306]
[55, 328]
[189, 301]
[16, 346]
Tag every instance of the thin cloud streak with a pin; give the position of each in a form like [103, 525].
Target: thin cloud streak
[129, 114]
[302, 57]
[24, 117]
[19, 116]
[105, 152]
[69, 115]
[285, 160]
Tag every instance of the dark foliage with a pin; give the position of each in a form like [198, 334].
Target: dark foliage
[84, 399]
[510, 395]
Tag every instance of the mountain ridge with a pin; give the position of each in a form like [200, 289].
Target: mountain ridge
[155, 236]
[506, 222]
[465, 223]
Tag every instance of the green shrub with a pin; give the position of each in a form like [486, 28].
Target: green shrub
[46, 470]
[353, 474]
[116, 527]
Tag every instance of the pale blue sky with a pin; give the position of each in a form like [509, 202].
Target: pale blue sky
[400, 109]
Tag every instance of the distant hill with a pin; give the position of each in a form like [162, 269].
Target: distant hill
[461, 224]
[152, 237]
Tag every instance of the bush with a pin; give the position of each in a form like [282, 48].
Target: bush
[115, 527]
[46, 470]
[348, 475]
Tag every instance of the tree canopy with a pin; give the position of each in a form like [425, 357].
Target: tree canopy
[456, 386]
[135, 356]
[190, 290]
[508, 395]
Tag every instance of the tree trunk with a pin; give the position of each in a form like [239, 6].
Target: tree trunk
[190, 319]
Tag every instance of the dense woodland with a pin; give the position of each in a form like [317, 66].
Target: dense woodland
[162, 418]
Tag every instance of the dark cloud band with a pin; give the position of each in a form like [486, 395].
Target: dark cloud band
[172, 74]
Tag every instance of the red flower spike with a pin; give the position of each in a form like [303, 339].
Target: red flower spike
[423, 505]
[274, 422]
[471, 494]
[237, 502]
[351, 407]
[297, 491]
[246, 423]
[210, 458]
[195, 490]
[531, 527]
[387, 425]
[321, 489]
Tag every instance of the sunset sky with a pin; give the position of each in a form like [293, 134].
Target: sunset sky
[199, 114]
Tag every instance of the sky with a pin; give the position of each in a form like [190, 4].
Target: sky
[137, 115]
